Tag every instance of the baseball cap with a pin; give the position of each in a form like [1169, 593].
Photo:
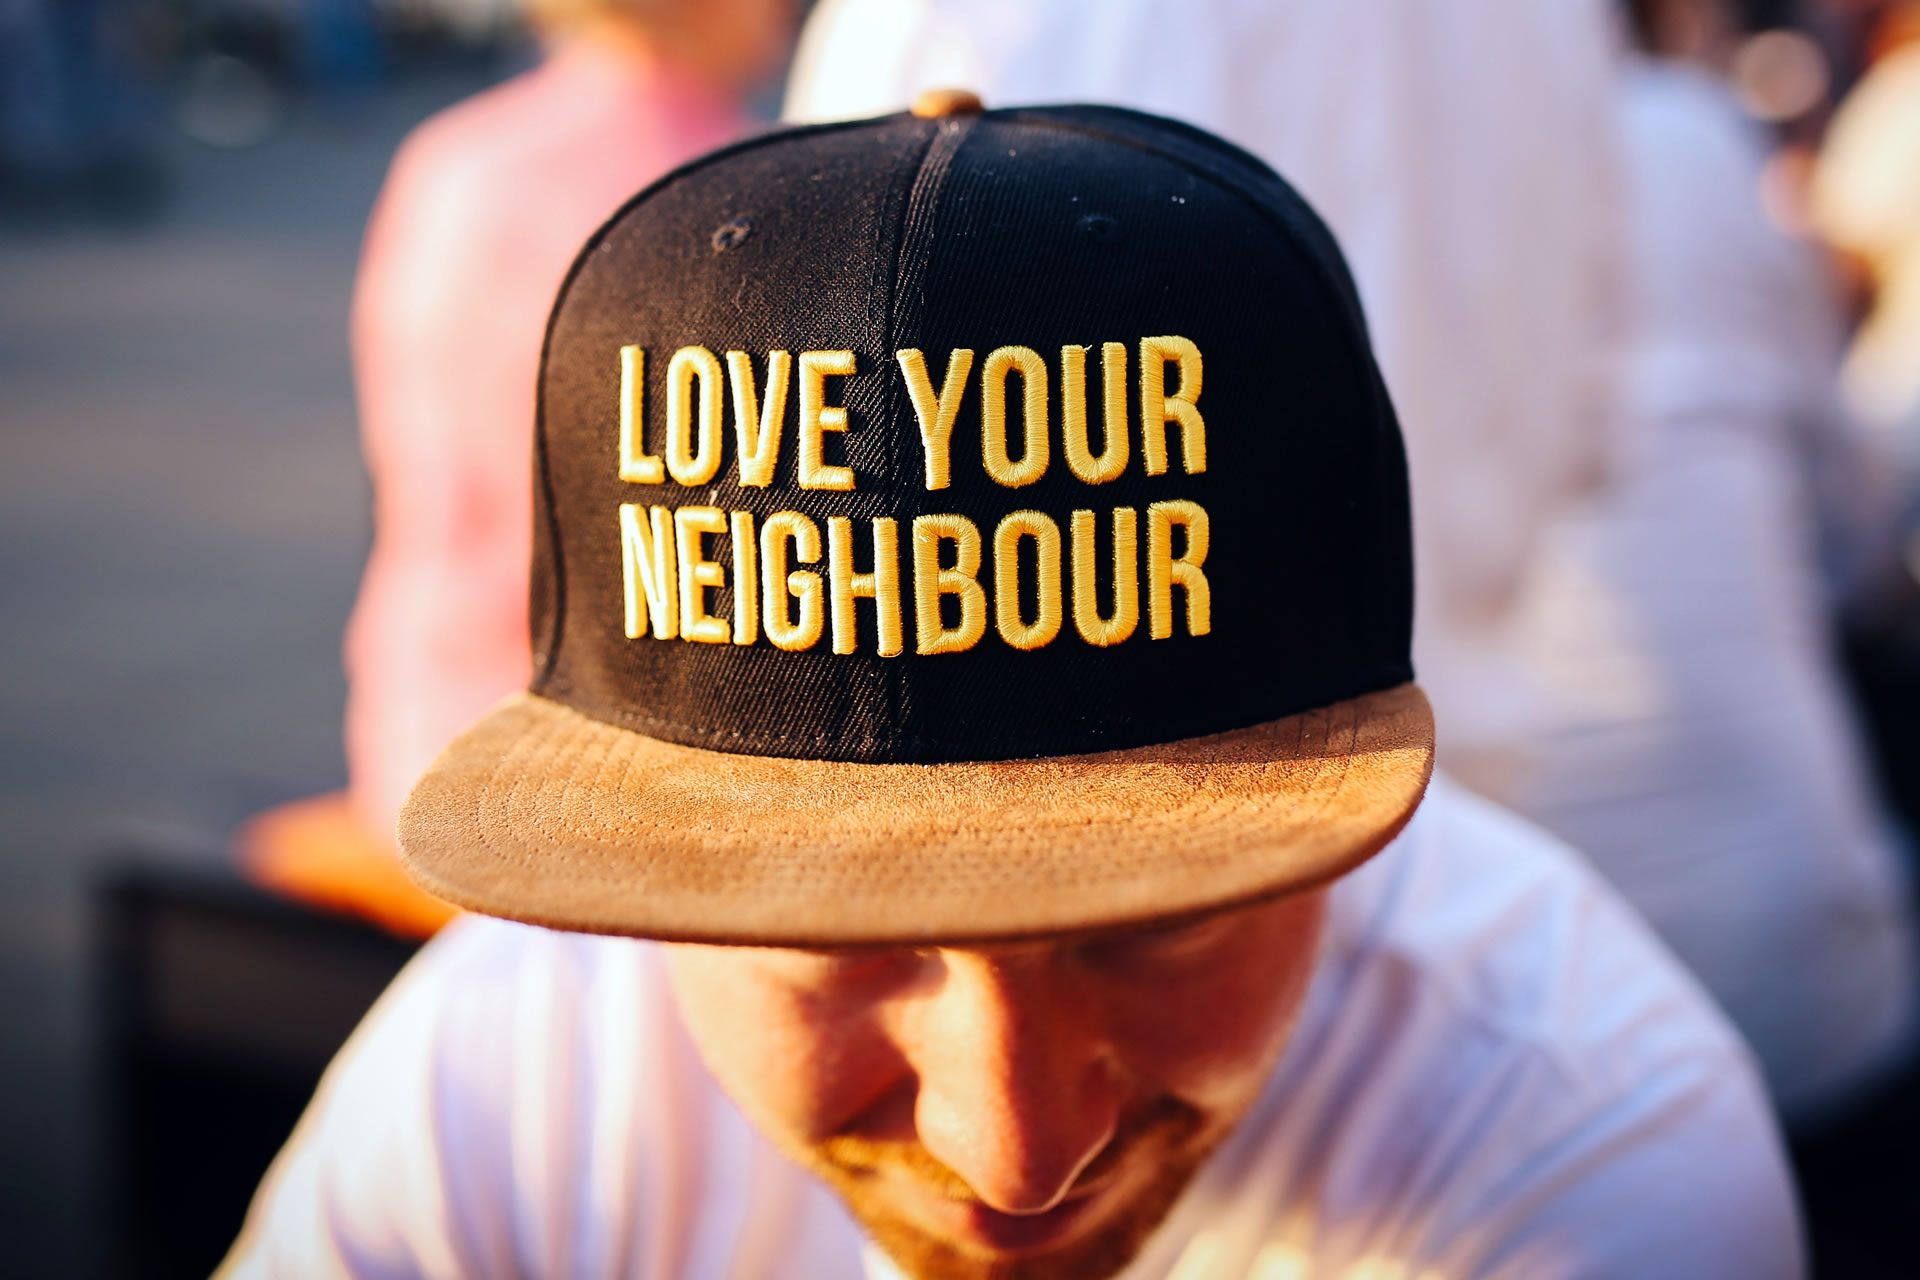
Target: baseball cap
[953, 526]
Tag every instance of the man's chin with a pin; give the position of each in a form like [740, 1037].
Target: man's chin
[933, 1225]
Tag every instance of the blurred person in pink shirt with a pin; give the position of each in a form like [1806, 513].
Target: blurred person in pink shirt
[482, 212]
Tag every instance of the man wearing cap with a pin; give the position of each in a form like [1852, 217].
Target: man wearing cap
[972, 595]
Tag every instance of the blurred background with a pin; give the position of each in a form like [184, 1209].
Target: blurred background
[183, 511]
[185, 515]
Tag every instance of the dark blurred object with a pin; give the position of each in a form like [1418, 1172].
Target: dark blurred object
[339, 49]
[88, 88]
[231, 73]
[1856, 33]
[74, 116]
[239, 65]
[1661, 25]
[221, 1006]
[1894, 25]
[1880, 646]
[1703, 31]
[1859, 1181]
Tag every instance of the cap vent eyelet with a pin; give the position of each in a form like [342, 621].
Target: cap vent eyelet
[732, 233]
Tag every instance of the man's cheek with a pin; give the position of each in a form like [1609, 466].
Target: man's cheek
[832, 1074]
[1203, 1063]
[739, 1025]
[1213, 1046]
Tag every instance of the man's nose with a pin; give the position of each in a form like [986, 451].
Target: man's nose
[1017, 1092]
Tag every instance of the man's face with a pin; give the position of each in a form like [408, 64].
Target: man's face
[1023, 1110]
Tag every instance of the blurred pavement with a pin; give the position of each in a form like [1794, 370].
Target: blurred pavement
[182, 520]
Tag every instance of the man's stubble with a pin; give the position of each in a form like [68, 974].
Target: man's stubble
[1172, 1136]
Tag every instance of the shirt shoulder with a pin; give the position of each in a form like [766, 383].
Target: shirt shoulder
[582, 128]
[460, 157]
[1513, 932]
[1501, 1068]
[526, 1102]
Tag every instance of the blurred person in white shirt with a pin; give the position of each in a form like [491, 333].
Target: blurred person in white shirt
[1715, 772]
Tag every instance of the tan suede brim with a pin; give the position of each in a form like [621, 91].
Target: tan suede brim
[543, 814]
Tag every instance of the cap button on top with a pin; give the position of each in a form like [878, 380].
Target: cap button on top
[937, 104]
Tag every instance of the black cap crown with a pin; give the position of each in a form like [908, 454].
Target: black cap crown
[1031, 432]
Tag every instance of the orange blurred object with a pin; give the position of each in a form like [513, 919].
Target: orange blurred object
[317, 852]
[1897, 27]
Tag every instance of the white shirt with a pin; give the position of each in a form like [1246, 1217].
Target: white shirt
[1704, 758]
[1497, 1073]
[1464, 155]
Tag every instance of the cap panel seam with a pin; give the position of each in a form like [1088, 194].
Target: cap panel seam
[1239, 173]
[904, 308]
[916, 241]
[546, 659]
